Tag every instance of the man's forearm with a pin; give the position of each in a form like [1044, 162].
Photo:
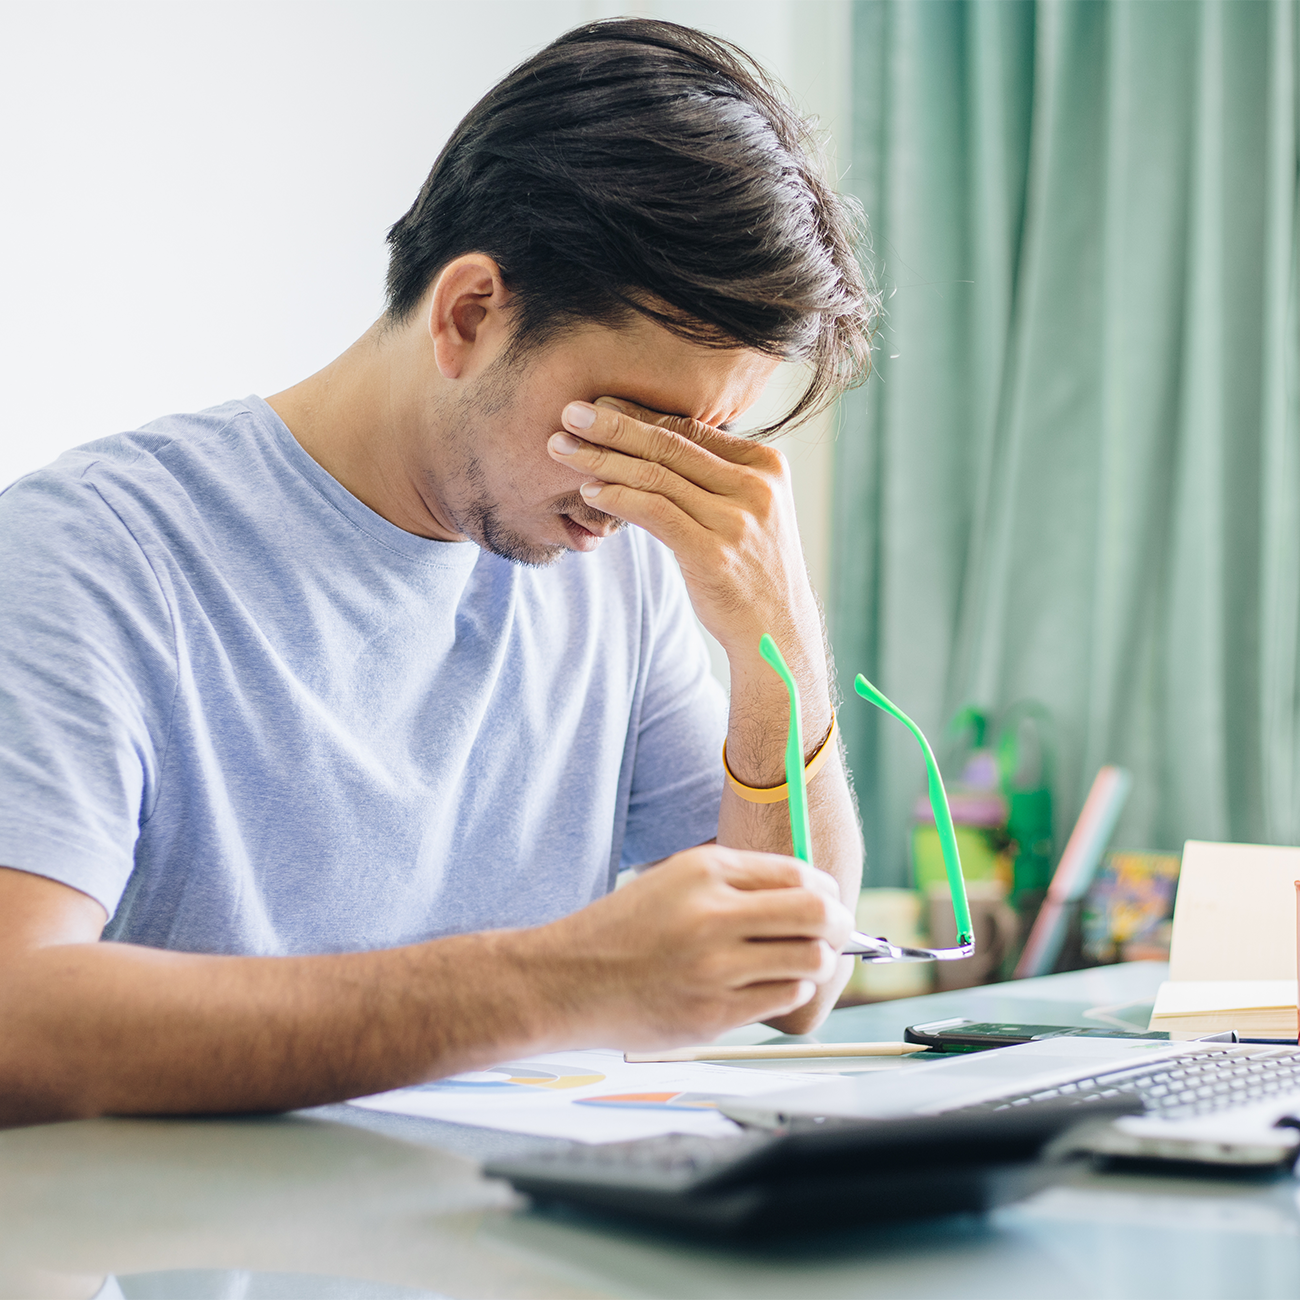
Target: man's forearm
[756, 740]
[105, 1028]
[93, 1028]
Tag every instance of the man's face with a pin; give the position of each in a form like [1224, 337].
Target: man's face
[497, 484]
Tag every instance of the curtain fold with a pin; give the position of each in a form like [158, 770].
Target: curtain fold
[1075, 474]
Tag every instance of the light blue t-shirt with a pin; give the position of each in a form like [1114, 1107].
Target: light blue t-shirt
[249, 715]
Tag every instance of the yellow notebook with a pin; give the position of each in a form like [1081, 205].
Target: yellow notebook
[1232, 964]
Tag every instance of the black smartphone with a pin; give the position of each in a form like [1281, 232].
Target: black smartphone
[960, 1035]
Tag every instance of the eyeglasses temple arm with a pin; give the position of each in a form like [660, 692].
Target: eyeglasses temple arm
[795, 779]
[938, 802]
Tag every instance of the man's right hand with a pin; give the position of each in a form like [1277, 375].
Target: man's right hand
[709, 939]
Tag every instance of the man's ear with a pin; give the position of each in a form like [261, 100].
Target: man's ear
[468, 317]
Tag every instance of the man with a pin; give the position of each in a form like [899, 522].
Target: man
[326, 722]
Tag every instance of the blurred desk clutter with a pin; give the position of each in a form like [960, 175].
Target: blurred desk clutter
[1050, 932]
[1227, 916]
[1126, 915]
[1032, 914]
[1128, 911]
[1001, 805]
[1235, 913]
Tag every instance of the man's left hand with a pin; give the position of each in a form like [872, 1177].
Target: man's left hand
[720, 502]
[723, 504]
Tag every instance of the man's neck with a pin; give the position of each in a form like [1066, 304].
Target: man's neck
[357, 420]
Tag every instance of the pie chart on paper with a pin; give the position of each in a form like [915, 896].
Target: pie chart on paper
[592, 1095]
[656, 1101]
[520, 1076]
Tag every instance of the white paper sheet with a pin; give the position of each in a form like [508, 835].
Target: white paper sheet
[590, 1096]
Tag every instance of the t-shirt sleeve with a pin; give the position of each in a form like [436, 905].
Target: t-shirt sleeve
[87, 679]
[677, 778]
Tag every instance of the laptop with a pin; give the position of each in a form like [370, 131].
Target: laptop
[1207, 1102]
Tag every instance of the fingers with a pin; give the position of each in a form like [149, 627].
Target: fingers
[662, 479]
[794, 913]
[695, 451]
[722, 504]
[749, 869]
[712, 937]
[663, 519]
[779, 897]
[645, 477]
[791, 959]
[725, 446]
[770, 961]
[760, 1002]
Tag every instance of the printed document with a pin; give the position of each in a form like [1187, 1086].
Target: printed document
[588, 1096]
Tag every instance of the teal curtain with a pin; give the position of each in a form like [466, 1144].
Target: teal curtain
[1075, 474]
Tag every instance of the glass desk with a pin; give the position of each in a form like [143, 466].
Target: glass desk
[337, 1202]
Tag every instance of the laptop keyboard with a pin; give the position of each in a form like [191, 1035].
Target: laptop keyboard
[1199, 1082]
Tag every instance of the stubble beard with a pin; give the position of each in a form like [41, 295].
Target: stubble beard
[482, 523]
[481, 520]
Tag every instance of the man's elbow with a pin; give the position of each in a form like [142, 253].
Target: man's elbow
[39, 1084]
[28, 1098]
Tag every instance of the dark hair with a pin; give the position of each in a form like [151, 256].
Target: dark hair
[640, 166]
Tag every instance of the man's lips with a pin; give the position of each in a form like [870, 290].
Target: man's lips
[585, 537]
[606, 531]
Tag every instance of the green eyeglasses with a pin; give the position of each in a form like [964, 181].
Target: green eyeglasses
[865, 946]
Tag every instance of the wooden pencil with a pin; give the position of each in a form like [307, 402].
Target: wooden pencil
[774, 1052]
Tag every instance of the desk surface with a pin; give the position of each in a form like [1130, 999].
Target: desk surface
[338, 1202]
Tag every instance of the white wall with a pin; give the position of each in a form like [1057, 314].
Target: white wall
[196, 193]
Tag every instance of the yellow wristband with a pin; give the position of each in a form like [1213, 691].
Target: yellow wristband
[779, 792]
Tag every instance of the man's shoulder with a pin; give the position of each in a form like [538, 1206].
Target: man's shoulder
[131, 455]
[159, 467]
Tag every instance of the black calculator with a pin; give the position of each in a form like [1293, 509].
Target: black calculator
[818, 1174]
